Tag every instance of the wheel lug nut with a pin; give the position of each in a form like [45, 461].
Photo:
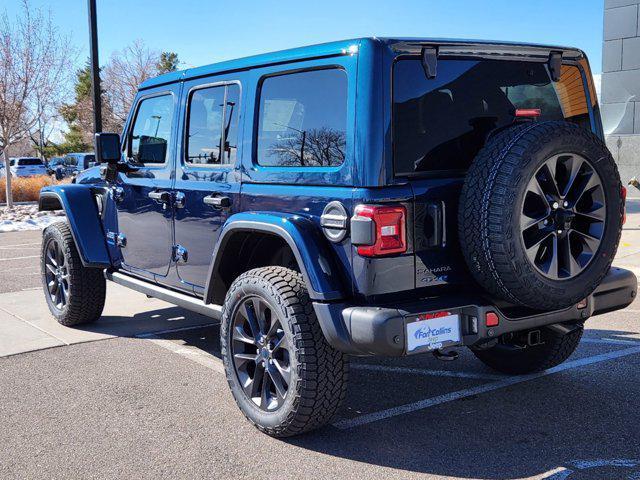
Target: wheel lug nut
[555, 205]
[565, 204]
[559, 231]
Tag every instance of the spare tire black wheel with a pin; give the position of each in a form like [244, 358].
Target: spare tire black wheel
[540, 214]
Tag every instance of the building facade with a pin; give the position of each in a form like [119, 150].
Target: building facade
[620, 90]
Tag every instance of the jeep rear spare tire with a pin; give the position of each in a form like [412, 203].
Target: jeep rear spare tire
[541, 214]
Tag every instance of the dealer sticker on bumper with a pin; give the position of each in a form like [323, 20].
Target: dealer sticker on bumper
[433, 333]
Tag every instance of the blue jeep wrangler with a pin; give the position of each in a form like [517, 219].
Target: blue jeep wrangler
[365, 197]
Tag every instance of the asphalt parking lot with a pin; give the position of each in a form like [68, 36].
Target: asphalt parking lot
[141, 394]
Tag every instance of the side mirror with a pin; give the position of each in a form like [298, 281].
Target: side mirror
[107, 148]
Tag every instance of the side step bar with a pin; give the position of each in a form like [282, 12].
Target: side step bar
[180, 299]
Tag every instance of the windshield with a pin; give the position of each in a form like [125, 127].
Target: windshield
[442, 123]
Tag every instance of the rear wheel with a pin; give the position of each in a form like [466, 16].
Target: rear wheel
[75, 294]
[513, 356]
[283, 374]
[540, 214]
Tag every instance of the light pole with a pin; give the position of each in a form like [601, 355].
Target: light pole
[95, 68]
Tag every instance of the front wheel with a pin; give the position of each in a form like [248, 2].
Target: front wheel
[514, 357]
[75, 294]
[283, 374]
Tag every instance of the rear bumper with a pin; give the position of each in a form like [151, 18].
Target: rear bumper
[370, 330]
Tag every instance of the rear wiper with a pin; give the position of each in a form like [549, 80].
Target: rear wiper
[430, 61]
[555, 65]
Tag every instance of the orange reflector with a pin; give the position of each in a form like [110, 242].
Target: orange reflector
[492, 320]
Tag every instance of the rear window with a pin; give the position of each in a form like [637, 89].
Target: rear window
[29, 162]
[441, 123]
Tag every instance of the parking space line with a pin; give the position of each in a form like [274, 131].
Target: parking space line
[428, 372]
[7, 247]
[489, 387]
[18, 258]
[610, 341]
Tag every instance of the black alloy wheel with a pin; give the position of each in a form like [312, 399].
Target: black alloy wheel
[261, 354]
[563, 216]
[56, 274]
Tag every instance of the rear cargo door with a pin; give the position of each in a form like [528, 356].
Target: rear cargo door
[441, 123]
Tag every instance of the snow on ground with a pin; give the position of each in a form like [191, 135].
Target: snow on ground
[27, 217]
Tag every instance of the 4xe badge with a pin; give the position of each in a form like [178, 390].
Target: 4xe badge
[434, 331]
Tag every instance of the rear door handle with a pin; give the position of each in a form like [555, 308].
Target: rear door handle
[218, 202]
[161, 196]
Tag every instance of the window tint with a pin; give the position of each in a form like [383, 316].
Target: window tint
[441, 123]
[29, 162]
[151, 132]
[210, 122]
[303, 119]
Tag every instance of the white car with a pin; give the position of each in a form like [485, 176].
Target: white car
[27, 167]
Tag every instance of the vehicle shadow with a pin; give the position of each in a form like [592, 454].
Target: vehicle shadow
[147, 322]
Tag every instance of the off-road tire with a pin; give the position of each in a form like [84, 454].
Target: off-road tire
[490, 210]
[319, 372]
[506, 358]
[87, 286]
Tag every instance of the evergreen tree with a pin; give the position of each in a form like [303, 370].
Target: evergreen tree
[168, 62]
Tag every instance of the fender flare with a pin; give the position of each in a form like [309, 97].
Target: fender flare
[303, 237]
[80, 207]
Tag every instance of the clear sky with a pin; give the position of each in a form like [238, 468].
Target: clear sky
[206, 31]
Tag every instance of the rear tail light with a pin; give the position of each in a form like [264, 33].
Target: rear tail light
[623, 192]
[389, 234]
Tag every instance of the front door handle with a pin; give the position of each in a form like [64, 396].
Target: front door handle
[218, 202]
[161, 196]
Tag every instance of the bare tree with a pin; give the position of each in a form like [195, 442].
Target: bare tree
[34, 63]
[323, 147]
[127, 69]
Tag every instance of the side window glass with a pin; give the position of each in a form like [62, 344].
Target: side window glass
[151, 132]
[303, 119]
[231, 115]
[213, 115]
[205, 126]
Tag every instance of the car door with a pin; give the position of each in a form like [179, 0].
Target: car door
[144, 209]
[207, 175]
